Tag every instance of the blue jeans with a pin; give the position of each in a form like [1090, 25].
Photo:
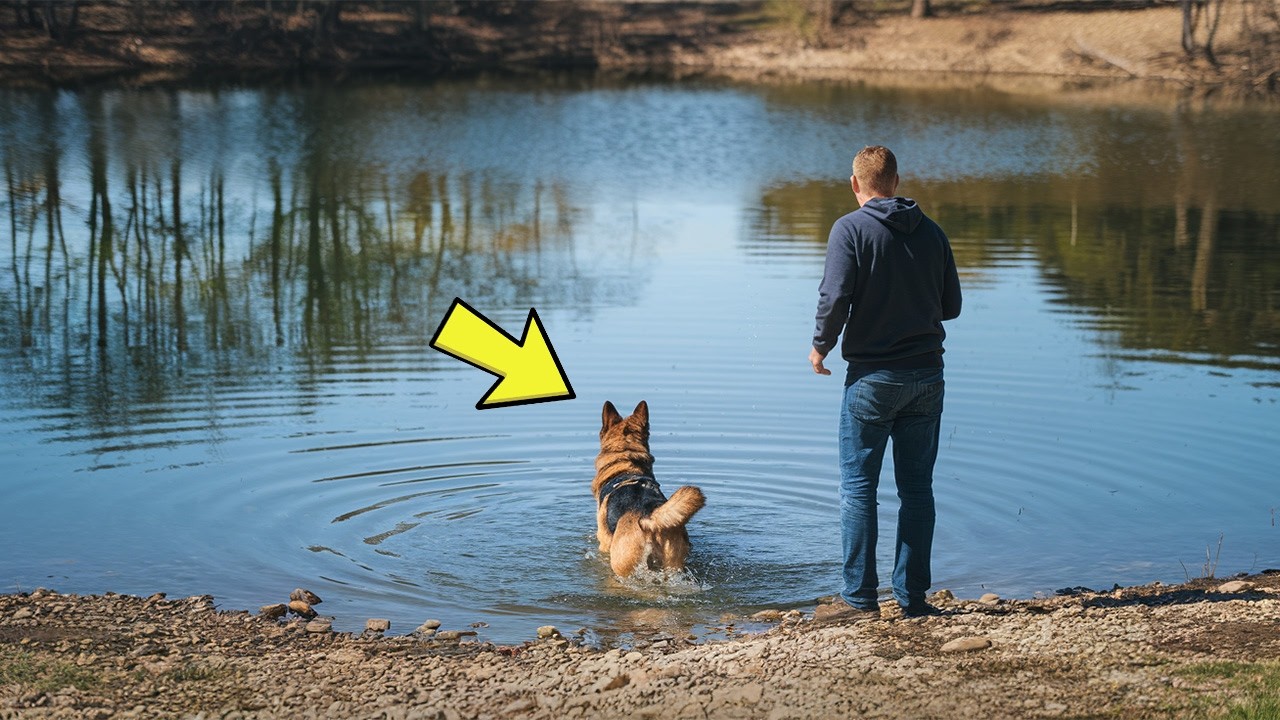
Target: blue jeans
[905, 405]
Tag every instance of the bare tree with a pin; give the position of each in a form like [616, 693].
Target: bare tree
[1192, 11]
[53, 25]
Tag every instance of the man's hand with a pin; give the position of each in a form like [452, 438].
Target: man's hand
[816, 358]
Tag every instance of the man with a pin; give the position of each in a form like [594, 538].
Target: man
[889, 282]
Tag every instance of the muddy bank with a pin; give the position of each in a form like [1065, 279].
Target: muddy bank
[745, 40]
[1145, 652]
[1014, 47]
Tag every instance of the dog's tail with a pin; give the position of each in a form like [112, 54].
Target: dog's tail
[676, 511]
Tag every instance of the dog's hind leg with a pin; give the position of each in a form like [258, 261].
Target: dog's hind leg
[602, 528]
[629, 545]
[672, 548]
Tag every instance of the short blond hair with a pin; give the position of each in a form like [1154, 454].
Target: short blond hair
[876, 168]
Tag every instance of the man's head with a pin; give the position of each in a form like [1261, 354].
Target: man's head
[875, 173]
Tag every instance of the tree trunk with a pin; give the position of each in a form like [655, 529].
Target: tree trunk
[1188, 28]
[920, 9]
[328, 18]
[1215, 13]
[50, 20]
[422, 16]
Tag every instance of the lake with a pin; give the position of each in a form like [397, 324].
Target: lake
[217, 301]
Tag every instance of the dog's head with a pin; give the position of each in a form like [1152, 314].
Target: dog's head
[629, 433]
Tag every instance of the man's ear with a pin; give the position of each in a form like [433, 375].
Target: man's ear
[896, 178]
[853, 183]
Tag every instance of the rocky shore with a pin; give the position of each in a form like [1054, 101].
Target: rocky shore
[1204, 649]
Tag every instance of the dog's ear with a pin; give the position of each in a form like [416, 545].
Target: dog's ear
[609, 416]
[642, 412]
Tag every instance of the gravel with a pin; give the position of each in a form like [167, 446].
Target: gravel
[1121, 653]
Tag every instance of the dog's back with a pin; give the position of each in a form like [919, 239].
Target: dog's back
[636, 522]
[631, 493]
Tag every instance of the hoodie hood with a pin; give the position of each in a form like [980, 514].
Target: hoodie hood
[898, 213]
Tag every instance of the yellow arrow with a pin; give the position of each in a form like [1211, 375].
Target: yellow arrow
[528, 370]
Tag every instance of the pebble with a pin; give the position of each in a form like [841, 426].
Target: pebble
[674, 670]
[1235, 586]
[519, 706]
[966, 644]
[989, 599]
[301, 607]
[320, 626]
[305, 596]
[607, 684]
[377, 625]
[771, 615]
[273, 612]
[749, 694]
[548, 631]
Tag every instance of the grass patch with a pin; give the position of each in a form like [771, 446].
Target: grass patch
[1254, 686]
[27, 670]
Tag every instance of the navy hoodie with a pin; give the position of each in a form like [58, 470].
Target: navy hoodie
[890, 281]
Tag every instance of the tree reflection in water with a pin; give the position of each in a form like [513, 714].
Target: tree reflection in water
[188, 244]
[1169, 235]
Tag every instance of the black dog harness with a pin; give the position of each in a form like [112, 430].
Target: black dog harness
[644, 481]
[628, 492]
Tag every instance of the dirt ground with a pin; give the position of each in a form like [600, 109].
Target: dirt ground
[1099, 44]
[1191, 651]
[749, 40]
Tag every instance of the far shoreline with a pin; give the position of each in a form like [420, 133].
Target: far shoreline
[1031, 48]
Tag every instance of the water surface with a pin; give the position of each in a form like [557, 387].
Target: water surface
[217, 303]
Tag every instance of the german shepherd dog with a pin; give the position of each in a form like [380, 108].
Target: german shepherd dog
[635, 522]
